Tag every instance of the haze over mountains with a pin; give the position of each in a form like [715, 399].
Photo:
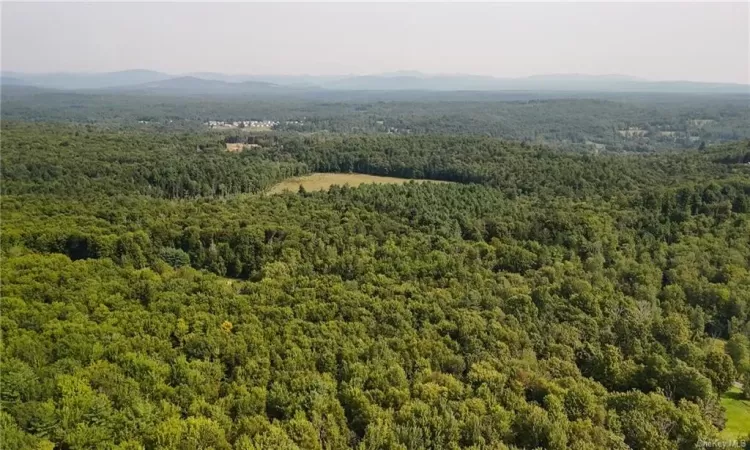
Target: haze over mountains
[217, 83]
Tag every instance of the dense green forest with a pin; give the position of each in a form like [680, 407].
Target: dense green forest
[76, 159]
[584, 121]
[153, 296]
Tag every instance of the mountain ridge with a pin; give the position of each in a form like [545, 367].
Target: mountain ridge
[198, 82]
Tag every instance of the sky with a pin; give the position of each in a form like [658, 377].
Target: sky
[658, 41]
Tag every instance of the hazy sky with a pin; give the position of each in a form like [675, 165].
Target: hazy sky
[689, 41]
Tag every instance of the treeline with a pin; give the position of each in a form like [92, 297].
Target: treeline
[518, 169]
[79, 160]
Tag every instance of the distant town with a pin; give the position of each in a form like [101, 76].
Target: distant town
[267, 124]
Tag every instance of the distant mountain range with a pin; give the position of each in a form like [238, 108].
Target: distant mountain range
[73, 81]
[195, 85]
[554, 82]
[217, 83]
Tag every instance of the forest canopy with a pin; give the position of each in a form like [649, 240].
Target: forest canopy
[155, 296]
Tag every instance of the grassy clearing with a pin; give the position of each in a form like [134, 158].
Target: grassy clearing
[240, 147]
[322, 181]
[738, 415]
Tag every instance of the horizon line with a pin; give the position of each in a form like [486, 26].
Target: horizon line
[406, 72]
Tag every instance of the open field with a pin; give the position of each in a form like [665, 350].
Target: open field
[738, 415]
[239, 147]
[322, 181]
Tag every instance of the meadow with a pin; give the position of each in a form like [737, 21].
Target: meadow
[738, 415]
[323, 181]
